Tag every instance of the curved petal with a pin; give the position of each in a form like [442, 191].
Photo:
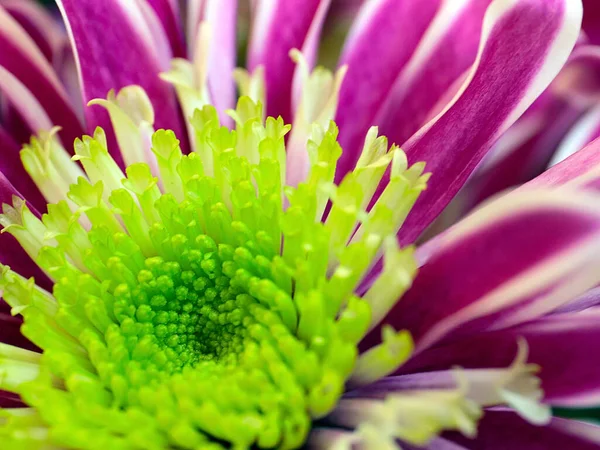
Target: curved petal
[523, 152]
[503, 429]
[561, 344]
[580, 170]
[167, 12]
[379, 46]
[516, 258]
[277, 28]
[20, 56]
[222, 16]
[39, 24]
[524, 45]
[113, 50]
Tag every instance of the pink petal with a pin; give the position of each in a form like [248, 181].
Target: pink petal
[516, 258]
[380, 45]
[581, 170]
[37, 21]
[504, 430]
[114, 49]
[277, 28]
[168, 13]
[222, 17]
[20, 56]
[524, 45]
[561, 344]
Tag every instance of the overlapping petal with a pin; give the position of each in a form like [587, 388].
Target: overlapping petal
[524, 45]
[561, 344]
[502, 429]
[113, 60]
[504, 264]
[277, 28]
[380, 45]
[581, 170]
[20, 56]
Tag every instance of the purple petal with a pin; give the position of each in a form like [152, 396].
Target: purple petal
[380, 44]
[524, 45]
[448, 50]
[591, 20]
[222, 16]
[279, 27]
[516, 258]
[39, 24]
[581, 170]
[10, 400]
[503, 430]
[20, 56]
[168, 13]
[561, 344]
[10, 333]
[13, 170]
[585, 301]
[113, 50]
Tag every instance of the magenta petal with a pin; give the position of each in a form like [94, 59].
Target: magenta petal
[277, 28]
[380, 44]
[38, 22]
[168, 13]
[524, 151]
[448, 50]
[561, 344]
[524, 45]
[113, 49]
[504, 430]
[222, 16]
[581, 170]
[516, 258]
[591, 20]
[10, 400]
[20, 56]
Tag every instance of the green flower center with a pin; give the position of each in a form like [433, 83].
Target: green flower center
[193, 307]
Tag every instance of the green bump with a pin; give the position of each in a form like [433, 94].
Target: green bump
[196, 307]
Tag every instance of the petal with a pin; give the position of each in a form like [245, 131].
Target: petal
[379, 46]
[580, 170]
[517, 257]
[113, 50]
[222, 16]
[561, 344]
[24, 102]
[591, 20]
[279, 27]
[585, 301]
[524, 44]
[503, 429]
[168, 13]
[523, 152]
[39, 24]
[20, 56]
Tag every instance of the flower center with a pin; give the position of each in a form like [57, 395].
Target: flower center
[194, 307]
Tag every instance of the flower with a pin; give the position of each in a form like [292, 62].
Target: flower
[253, 291]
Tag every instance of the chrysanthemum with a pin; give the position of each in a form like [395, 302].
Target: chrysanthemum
[231, 281]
